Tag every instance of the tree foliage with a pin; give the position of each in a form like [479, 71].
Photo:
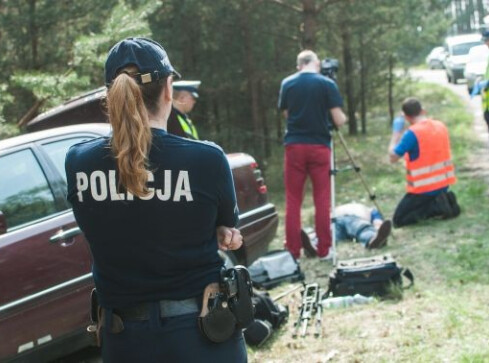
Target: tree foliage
[240, 49]
[85, 58]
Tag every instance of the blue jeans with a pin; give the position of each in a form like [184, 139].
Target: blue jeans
[350, 227]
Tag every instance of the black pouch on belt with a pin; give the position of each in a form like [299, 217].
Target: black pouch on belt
[216, 321]
[238, 286]
[227, 306]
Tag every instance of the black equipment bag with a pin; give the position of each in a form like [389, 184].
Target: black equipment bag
[274, 268]
[371, 276]
[269, 310]
[269, 316]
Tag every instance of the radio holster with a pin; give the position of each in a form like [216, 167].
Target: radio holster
[227, 305]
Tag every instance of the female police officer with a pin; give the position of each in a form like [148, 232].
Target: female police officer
[150, 204]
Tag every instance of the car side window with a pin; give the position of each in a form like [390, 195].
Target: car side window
[57, 150]
[25, 194]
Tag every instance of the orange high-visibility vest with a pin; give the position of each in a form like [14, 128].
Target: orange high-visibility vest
[433, 169]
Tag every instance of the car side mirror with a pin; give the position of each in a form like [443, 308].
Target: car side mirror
[3, 223]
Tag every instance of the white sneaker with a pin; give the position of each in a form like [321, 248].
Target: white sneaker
[330, 256]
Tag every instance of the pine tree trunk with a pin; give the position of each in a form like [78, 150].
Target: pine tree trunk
[33, 34]
[363, 86]
[480, 10]
[252, 77]
[470, 15]
[309, 38]
[349, 83]
[264, 121]
[390, 89]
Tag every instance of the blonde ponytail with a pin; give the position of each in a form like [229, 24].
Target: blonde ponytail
[131, 139]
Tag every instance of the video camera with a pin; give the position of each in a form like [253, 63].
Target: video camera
[329, 67]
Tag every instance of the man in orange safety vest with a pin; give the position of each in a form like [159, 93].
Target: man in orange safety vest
[429, 168]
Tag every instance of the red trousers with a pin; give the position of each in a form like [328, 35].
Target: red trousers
[302, 160]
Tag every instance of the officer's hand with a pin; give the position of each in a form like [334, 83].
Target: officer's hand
[228, 238]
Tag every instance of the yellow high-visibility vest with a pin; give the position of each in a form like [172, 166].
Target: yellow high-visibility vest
[188, 127]
[485, 93]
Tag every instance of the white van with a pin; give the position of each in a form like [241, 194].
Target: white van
[457, 50]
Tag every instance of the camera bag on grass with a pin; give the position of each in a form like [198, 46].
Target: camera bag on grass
[274, 268]
[269, 316]
[371, 276]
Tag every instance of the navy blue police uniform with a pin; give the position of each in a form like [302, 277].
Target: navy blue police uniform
[150, 252]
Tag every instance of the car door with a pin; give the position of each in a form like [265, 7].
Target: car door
[45, 276]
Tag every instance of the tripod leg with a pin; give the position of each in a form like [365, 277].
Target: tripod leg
[357, 170]
[333, 201]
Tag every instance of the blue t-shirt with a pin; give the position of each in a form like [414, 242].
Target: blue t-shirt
[308, 97]
[409, 144]
[162, 246]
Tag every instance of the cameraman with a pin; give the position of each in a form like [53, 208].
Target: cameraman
[308, 99]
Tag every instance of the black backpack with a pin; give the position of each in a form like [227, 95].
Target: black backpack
[269, 310]
[269, 316]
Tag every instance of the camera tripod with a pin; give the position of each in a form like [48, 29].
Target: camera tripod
[309, 235]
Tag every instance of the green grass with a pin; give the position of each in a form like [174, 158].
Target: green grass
[445, 316]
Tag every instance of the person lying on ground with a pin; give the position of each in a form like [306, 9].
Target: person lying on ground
[365, 225]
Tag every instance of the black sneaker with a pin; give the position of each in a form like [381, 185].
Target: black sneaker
[444, 207]
[452, 199]
[380, 238]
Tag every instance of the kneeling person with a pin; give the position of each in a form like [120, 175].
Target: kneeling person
[429, 168]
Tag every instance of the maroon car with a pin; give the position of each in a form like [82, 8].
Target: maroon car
[45, 263]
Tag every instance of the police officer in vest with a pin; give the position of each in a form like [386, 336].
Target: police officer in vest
[184, 98]
[429, 168]
[154, 208]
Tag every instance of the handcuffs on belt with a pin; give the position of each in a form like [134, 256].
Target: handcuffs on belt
[227, 305]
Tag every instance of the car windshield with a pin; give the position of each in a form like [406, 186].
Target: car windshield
[463, 49]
